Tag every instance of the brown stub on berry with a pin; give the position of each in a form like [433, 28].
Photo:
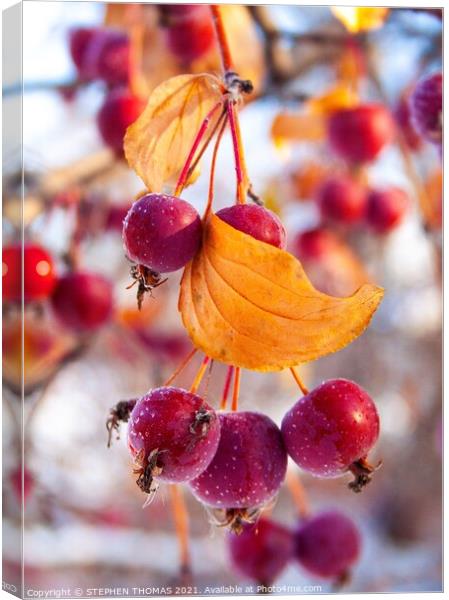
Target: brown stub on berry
[363, 474]
[201, 424]
[146, 280]
[147, 470]
[234, 518]
[120, 413]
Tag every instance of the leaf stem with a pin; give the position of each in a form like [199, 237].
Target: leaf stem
[299, 381]
[200, 374]
[227, 386]
[236, 390]
[181, 367]
[196, 142]
[181, 519]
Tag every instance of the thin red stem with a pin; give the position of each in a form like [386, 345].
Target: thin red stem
[196, 142]
[298, 494]
[223, 45]
[236, 390]
[227, 387]
[240, 168]
[210, 198]
[182, 366]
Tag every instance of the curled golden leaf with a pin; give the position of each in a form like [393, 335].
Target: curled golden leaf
[157, 144]
[246, 303]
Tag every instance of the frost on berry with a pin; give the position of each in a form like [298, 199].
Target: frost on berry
[172, 435]
[331, 430]
[246, 471]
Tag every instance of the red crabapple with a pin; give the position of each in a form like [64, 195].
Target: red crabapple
[359, 134]
[314, 244]
[83, 301]
[161, 232]
[173, 436]
[107, 57]
[426, 106]
[256, 221]
[386, 209]
[262, 550]
[79, 41]
[247, 470]
[190, 30]
[119, 110]
[341, 199]
[331, 430]
[327, 545]
[38, 273]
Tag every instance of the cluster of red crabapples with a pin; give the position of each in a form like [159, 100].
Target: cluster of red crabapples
[105, 54]
[82, 301]
[235, 462]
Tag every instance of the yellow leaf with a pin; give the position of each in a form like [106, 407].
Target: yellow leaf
[247, 303]
[158, 143]
[360, 18]
[338, 97]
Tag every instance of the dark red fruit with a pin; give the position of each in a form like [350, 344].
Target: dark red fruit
[341, 199]
[116, 216]
[38, 273]
[426, 106]
[173, 434]
[359, 134]
[314, 244]
[107, 57]
[79, 40]
[404, 122]
[120, 109]
[386, 209]
[190, 30]
[330, 428]
[256, 221]
[22, 482]
[249, 465]
[327, 545]
[262, 550]
[161, 232]
[83, 301]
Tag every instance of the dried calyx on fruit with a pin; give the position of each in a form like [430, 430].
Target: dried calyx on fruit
[330, 431]
[160, 234]
[246, 471]
[173, 435]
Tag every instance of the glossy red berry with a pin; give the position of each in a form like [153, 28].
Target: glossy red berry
[249, 465]
[327, 545]
[107, 57]
[83, 301]
[256, 221]
[79, 41]
[330, 428]
[359, 134]
[262, 550]
[426, 105]
[162, 232]
[341, 199]
[120, 109]
[190, 30]
[38, 273]
[173, 432]
[386, 209]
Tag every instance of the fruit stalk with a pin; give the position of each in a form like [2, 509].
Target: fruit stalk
[227, 387]
[210, 197]
[236, 390]
[299, 381]
[181, 519]
[223, 45]
[200, 374]
[181, 367]
[298, 494]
